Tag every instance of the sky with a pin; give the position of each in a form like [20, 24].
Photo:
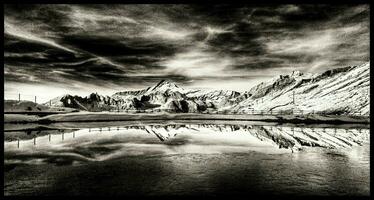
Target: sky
[51, 50]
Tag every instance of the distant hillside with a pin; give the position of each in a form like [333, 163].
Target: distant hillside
[29, 106]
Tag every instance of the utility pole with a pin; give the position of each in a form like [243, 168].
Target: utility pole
[35, 99]
[293, 131]
[19, 97]
[293, 97]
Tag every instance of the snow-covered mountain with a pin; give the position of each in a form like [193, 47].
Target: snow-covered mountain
[337, 91]
[163, 96]
[93, 102]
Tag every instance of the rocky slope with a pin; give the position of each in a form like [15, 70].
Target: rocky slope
[337, 91]
[93, 102]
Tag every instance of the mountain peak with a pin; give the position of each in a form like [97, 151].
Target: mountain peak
[163, 85]
[296, 73]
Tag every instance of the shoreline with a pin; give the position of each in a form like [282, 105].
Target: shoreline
[107, 117]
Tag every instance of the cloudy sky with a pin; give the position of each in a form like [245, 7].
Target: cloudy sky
[51, 50]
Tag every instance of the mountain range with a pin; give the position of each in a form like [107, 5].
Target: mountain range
[336, 91]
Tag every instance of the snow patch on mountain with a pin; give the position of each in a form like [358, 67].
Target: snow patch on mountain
[338, 91]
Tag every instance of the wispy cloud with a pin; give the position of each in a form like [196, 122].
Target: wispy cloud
[24, 34]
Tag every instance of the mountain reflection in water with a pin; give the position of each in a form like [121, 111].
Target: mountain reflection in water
[238, 148]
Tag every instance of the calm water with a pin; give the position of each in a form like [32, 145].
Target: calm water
[186, 159]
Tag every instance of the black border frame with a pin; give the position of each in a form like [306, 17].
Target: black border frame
[353, 2]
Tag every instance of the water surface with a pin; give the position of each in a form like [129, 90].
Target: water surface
[186, 159]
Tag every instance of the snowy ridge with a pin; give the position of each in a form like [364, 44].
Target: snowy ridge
[164, 86]
[337, 91]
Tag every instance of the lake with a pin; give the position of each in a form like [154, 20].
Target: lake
[170, 158]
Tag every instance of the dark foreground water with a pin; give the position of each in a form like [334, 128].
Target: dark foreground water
[187, 159]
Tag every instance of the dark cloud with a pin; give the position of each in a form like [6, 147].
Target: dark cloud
[113, 47]
[125, 45]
